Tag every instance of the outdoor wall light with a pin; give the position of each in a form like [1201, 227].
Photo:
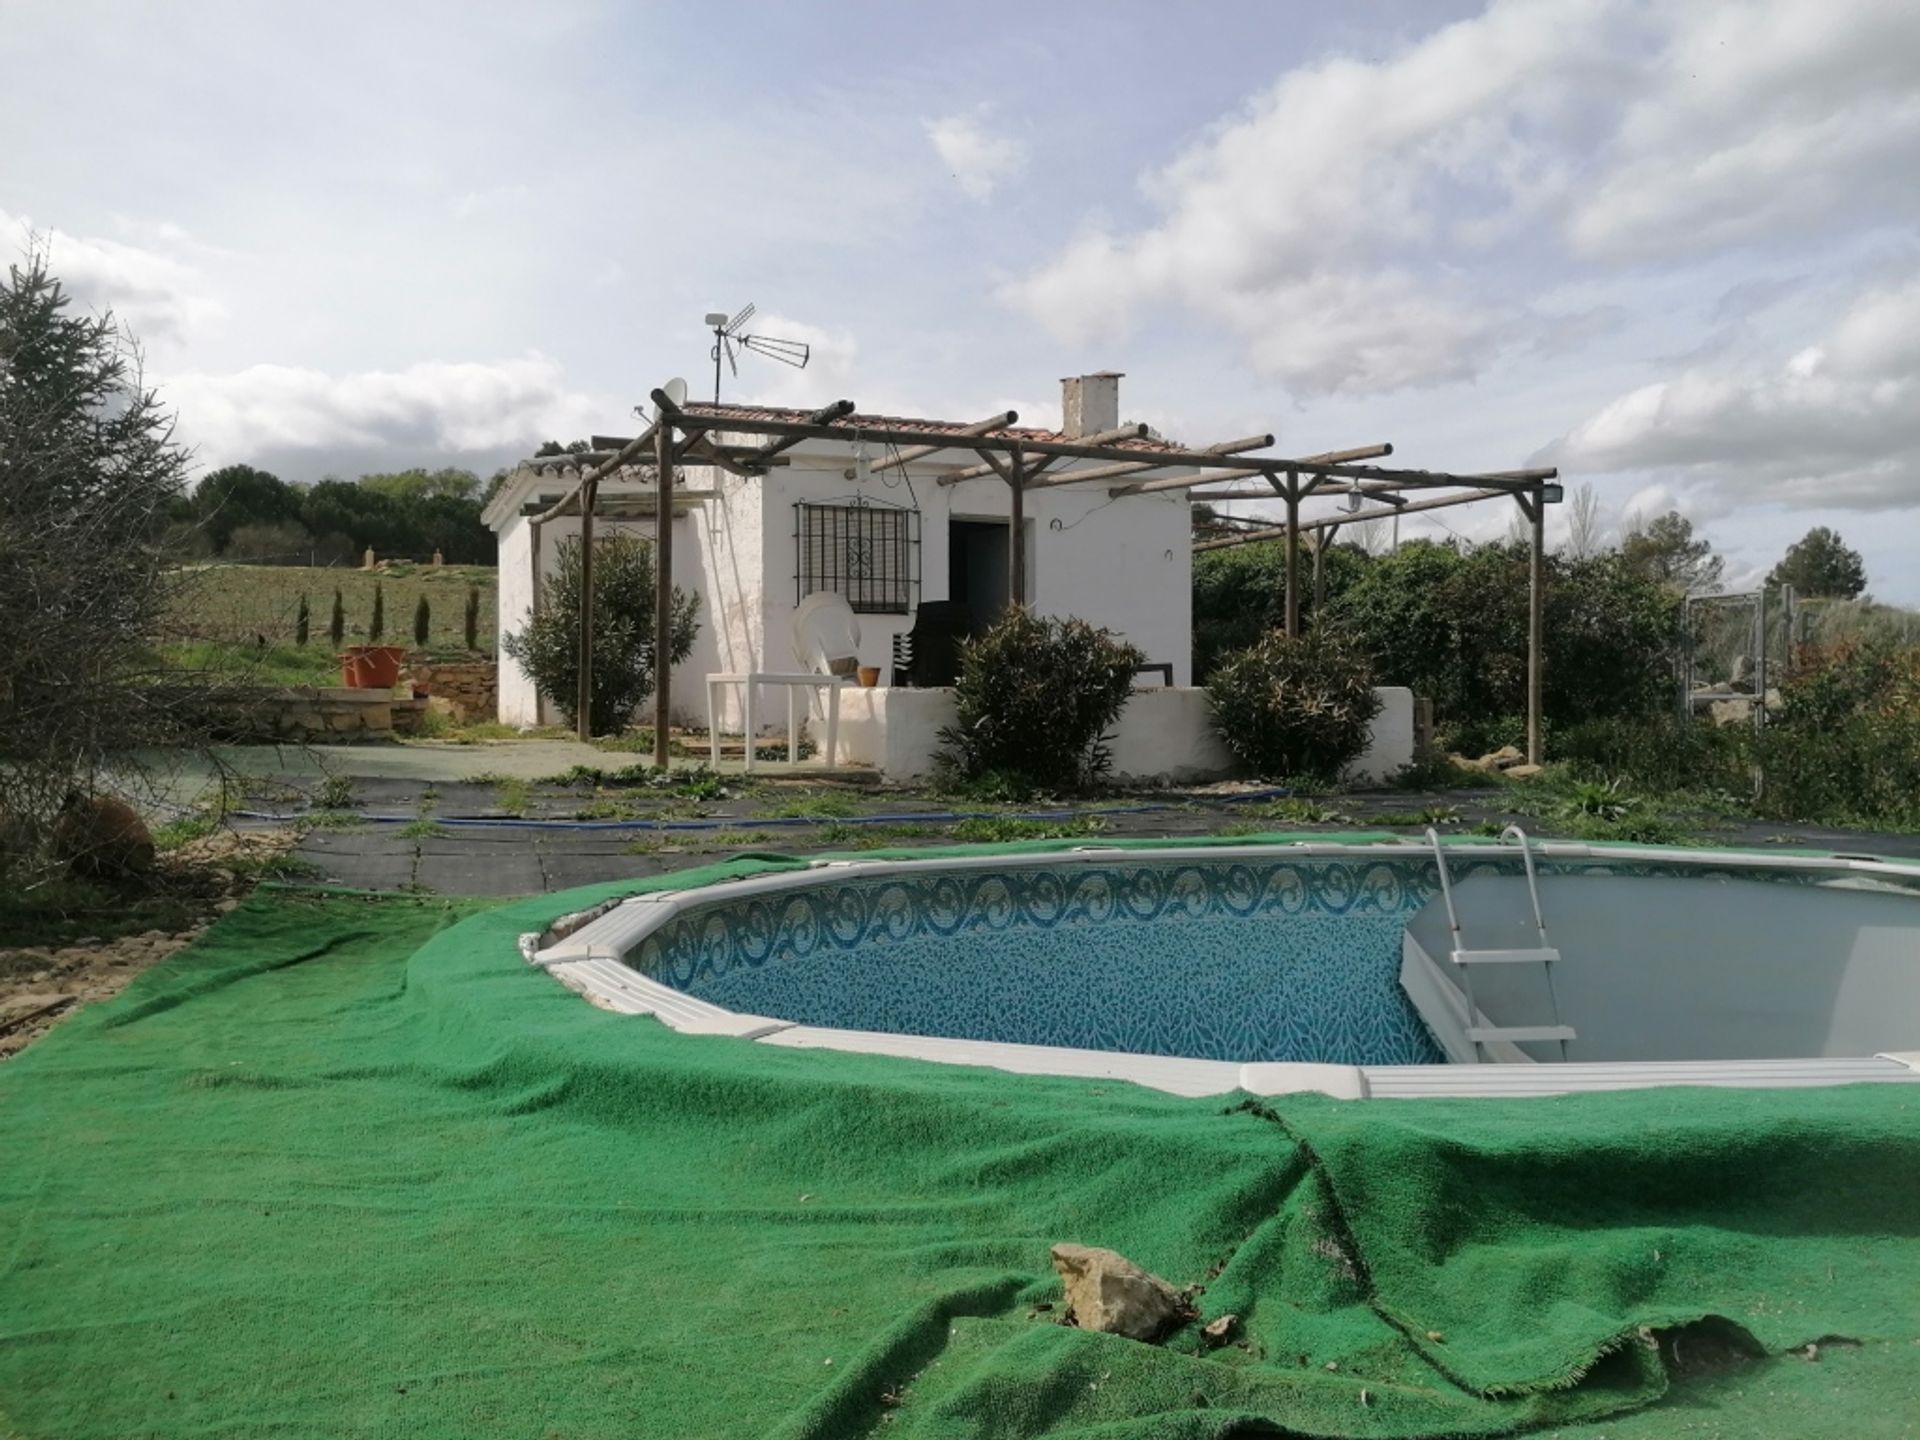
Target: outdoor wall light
[1552, 494]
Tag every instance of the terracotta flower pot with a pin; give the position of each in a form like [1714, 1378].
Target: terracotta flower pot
[869, 676]
[371, 667]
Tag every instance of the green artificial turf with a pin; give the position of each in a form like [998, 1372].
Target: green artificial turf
[349, 1167]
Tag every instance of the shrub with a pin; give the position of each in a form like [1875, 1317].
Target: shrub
[337, 621]
[89, 479]
[1844, 743]
[422, 621]
[1295, 708]
[1035, 699]
[623, 638]
[377, 626]
[1452, 625]
[1663, 755]
[302, 622]
[470, 623]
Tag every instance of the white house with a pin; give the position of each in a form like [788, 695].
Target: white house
[753, 547]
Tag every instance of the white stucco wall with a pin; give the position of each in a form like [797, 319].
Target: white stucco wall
[517, 701]
[1164, 736]
[1125, 564]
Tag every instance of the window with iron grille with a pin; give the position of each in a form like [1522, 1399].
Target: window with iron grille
[866, 550]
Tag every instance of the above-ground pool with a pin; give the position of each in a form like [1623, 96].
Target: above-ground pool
[1350, 968]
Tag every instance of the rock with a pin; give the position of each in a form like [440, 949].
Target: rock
[1522, 772]
[99, 836]
[1109, 1293]
[1505, 758]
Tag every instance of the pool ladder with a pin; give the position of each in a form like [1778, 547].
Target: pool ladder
[1543, 955]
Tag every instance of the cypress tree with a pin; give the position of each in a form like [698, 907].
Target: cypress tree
[377, 626]
[473, 617]
[302, 622]
[422, 621]
[337, 622]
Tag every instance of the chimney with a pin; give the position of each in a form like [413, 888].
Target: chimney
[1089, 404]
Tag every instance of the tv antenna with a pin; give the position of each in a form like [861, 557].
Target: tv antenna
[729, 338]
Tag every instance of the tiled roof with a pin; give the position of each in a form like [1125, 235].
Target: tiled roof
[931, 428]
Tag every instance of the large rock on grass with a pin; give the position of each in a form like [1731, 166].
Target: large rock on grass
[100, 837]
[1108, 1292]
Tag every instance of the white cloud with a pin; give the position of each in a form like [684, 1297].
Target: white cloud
[1836, 423]
[1309, 222]
[1759, 118]
[1599, 132]
[427, 410]
[978, 159]
[156, 291]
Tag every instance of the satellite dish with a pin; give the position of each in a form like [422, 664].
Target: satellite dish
[676, 390]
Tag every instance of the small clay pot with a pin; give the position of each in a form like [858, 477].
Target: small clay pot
[869, 676]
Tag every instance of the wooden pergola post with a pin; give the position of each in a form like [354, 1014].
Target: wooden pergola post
[1016, 527]
[1321, 541]
[1292, 493]
[582, 706]
[1535, 508]
[663, 593]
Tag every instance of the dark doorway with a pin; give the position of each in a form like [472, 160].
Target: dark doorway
[977, 570]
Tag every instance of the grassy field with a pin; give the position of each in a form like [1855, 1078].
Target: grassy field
[235, 604]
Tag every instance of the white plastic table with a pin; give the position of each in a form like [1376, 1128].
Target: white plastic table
[794, 681]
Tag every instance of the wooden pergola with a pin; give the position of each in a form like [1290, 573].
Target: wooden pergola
[1125, 459]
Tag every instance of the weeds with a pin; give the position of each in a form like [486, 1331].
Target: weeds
[335, 793]
[423, 829]
[1000, 829]
[512, 796]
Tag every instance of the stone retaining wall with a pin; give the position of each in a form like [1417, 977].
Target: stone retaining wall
[465, 690]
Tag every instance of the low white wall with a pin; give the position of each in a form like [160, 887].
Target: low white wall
[1390, 742]
[1164, 736]
[1167, 737]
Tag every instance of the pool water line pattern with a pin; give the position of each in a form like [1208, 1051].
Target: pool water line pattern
[1225, 960]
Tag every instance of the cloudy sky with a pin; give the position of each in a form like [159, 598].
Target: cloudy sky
[1671, 248]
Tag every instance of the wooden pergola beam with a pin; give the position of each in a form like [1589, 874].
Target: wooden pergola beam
[1184, 482]
[1144, 463]
[916, 440]
[985, 468]
[1383, 480]
[905, 454]
[620, 457]
[826, 414]
[1279, 532]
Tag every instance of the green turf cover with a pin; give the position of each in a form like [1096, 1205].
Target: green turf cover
[349, 1167]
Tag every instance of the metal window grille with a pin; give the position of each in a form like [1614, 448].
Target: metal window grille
[865, 550]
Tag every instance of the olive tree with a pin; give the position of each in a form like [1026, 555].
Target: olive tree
[548, 649]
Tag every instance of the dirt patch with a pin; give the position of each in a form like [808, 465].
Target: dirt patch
[42, 985]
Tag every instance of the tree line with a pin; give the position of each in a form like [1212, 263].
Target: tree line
[247, 515]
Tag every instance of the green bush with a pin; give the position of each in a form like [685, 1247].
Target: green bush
[1844, 743]
[1451, 624]
[1295, 709]
[1664, 755]
[1035, 699]
[623, 625]
[1240, 595]
[422, 621]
